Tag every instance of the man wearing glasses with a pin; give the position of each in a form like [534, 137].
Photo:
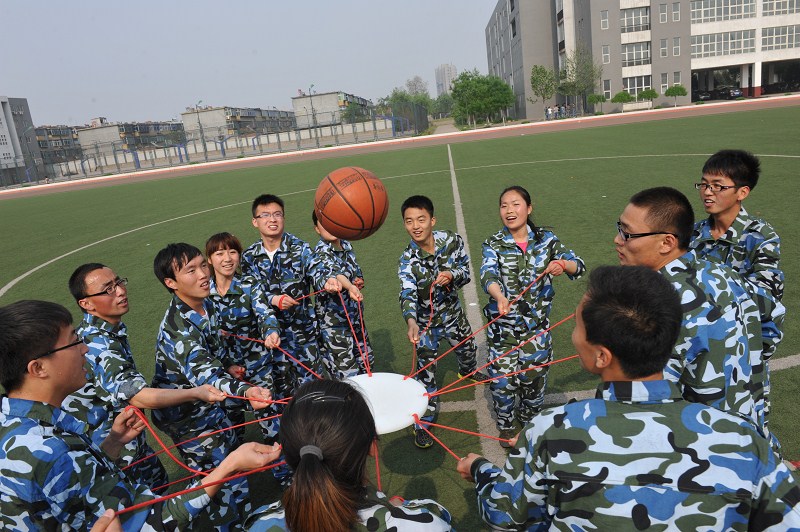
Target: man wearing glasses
[114, 381]
[720, 338]
[749, 245]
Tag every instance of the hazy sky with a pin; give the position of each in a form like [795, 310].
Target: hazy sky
[149, 60]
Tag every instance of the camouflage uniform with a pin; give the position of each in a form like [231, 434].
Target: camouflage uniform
[245, 311]
[52, 477]
[417, 271]
[342, 352]
[188, 354]
[288, 273]
[377, 515]
[719, 345]
[113, 382]
[753, 249]
[506, 264]
[638, 457]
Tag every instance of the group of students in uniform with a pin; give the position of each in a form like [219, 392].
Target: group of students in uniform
[680, 333]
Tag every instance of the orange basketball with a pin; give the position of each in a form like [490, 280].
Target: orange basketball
[351, 203]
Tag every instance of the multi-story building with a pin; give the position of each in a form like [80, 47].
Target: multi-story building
[643, 44]
[224, 122]
[328, 108]
[104, 137]
[58, 144]
[445, 75]
[20, 157]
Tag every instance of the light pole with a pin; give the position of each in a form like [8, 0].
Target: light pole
[200, 127]
[313, 114]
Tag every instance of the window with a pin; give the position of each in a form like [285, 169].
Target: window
[664, 50]
[607, 88]
[781, 7]
[662, 13]
[510, 5]
[676, 46]
[676, 78]
[513, 27]
[637, 19]
[726, 43]
[637, 53]
[606, 54]
[780, 37]
[636, 84]
[604, 20]
[676, 11]
[664, 84]
[717, 10]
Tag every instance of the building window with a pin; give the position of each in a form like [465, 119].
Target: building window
[510, 5]
[637, 53]
[725, 43]
[664, 84]
[607, 89]
[513, 27]
[604, 20]
[636, 19]
[662, 13]
[606, 54]
[676, 78]
[780, 37]
[676, 11]
[664, 50]
[636, 84]
[676, 46]
[717, 10]
[780, 7]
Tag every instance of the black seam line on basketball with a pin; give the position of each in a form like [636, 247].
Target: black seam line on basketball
[371, 197]
[363, 225]
[361, 229]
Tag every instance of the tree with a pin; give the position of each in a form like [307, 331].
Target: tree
[416, 85]
[622, 97]
[648, 94]
[478, 95]
[354, 113]
[443, 105]
[675, 91]
[543, 84]
[580, 75]
[594, 99]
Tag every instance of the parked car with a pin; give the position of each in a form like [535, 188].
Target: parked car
[701, 96]
[727, 93]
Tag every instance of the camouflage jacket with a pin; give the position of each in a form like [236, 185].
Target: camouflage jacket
[638, 457]
[287, 273]
[720, 339]
[753, 249]
[417, 271]
[379, 515]
[52, 477]
[504, 263]
[113, 381]
[327, 262]
[244, 311]
[189, 352]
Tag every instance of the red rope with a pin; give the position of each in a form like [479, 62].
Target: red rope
[470, 385]
[195, 488]
[529, 340]
[355, 336]
[142, 417]
[168, 484]
[466, 432]
[364, 337]
[445, 447]
[279, 348]
[459, 344]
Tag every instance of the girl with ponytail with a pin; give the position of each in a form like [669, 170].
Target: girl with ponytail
[328, 433]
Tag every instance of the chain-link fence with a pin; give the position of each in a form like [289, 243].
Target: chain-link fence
[233, 140]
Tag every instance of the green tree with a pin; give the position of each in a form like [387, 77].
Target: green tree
[674, 92]
[543, 84]
[443, 105]
[622, 97]
[354, 113]
[476, 95]
[649, 95]
[594, 99]
[580, 75]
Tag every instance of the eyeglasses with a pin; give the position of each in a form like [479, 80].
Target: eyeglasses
[714, 187]
[111, 289]
[627, 236]
[267, 215]
[79, 341]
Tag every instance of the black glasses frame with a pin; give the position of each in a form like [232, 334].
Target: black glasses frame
[109, 291]
[57, 349]
[627, 236]
[714, 187]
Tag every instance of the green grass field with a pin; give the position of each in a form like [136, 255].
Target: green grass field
[580, 181]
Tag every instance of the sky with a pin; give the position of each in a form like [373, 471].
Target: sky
[149, 60]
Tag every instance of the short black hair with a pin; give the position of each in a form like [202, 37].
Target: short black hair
[27, 328]
[266, 199]
[741, 166]
[668, 210]
[314, 218]
[77, 281]
[171, 259]
[636, 314]
[417, 202]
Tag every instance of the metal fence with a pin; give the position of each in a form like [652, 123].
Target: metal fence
[232, 140]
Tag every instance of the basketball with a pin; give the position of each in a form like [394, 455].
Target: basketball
[351, 203]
